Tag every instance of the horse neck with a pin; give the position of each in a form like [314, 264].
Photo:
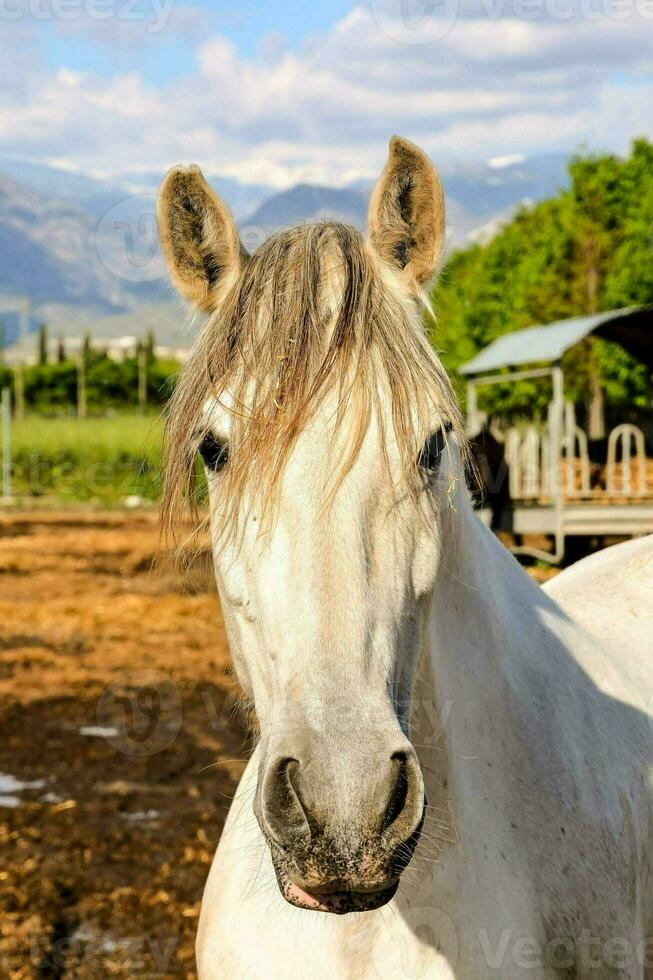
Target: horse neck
[488, 627]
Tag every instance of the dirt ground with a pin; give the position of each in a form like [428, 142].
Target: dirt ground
[122, 744]
[115, 706]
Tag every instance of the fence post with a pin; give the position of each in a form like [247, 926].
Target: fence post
[81, 385]
[142, 377]
[472, 408]
[5, 411]
[19, 390]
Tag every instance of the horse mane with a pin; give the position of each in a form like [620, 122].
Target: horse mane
[310, 311]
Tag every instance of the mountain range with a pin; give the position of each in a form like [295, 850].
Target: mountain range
[85, 250]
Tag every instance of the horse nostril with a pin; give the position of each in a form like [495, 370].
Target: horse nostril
[283, 810]
[399, 793]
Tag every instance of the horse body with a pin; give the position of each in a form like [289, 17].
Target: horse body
[454, 757]
[535, 857]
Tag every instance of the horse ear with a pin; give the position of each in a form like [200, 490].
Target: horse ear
[406, 215]
[198, 235]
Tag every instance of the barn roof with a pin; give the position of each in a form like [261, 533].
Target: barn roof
[632, 328]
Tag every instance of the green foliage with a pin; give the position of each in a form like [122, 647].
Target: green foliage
[586, 250]
[52, 388]
[115, 452]
[101, 460]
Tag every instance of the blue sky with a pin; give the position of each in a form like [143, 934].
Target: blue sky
[248, 25]
[273, 93]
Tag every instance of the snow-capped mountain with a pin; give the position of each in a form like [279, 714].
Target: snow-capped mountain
[83, 246]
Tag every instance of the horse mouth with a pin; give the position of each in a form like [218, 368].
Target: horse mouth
[338, 898]
[335, 902]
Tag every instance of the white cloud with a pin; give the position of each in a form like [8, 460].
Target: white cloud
[498, 163]
[490, 87]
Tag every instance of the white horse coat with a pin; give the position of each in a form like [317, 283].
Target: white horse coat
[541, 785]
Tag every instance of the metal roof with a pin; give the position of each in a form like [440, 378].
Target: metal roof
[631, 327]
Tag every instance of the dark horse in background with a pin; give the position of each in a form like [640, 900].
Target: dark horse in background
[488, 478]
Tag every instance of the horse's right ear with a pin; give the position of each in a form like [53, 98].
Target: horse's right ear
[198, 235]
[406, 216]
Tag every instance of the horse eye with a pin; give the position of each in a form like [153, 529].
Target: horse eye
[214, 453]
[429, 457]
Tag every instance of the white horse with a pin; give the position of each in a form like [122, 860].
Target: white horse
[455, 757]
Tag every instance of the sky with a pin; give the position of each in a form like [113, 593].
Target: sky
[283, 91]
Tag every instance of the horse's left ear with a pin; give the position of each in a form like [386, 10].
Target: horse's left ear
[406, 215]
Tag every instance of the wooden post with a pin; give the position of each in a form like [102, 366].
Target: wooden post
[472, 408]
[19, 391]
[142, 377]
[43, 344]
[81, 384]
[5, 411]
[19, 380]
[596, 406]
[591, 250]
[557, 422]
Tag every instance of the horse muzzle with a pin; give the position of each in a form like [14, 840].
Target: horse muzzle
[338, 901]
[341, 852]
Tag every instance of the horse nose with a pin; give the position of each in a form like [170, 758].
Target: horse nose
[404, 812]
[282, 810]
[388, 802]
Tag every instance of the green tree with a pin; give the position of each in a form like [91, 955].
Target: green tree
[588, 249]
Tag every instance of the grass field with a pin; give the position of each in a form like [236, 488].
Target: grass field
[99, 460]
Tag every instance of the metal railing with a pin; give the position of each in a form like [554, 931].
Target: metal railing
[534, 465]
